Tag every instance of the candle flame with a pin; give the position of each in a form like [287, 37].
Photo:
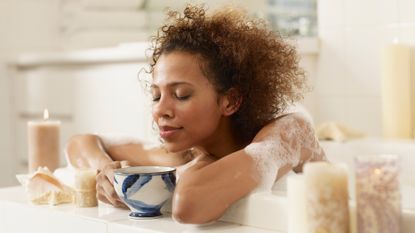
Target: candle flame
[45, 114]
[396, 40]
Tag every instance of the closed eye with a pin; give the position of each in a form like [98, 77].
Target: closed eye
[182, 98]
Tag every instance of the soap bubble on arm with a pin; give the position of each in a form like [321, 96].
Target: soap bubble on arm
[286, 143]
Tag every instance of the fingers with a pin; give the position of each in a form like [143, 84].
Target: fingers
[125, 163]
[109, 191]
[108, 170]
[105, 189]
[104, 197]
[110, 195]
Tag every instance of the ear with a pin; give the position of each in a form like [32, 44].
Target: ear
[231, 102]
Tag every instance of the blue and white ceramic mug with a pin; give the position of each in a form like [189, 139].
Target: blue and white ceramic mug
[145, 189]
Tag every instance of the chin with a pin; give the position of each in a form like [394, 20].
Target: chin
[173, 147]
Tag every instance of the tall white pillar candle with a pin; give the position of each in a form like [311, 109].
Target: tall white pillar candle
[377, 194]
[326, 198]
[396, 92]
[297, 215]
[43, 143]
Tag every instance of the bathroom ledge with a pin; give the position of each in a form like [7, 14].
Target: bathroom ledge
[128, 52]
[258, 212]
[124, 53]
[19, 216]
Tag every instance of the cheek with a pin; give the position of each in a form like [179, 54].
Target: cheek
[203, 116]
[153, 115]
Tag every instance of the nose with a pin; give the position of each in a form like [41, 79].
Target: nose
[164, 109]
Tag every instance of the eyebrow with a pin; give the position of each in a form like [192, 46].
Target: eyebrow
[172, 84]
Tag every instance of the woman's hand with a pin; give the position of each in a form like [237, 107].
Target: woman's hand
[198, 159]
[105, 184]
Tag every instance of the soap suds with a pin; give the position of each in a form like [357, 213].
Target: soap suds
[291, 135]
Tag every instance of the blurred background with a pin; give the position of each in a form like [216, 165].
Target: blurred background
[80, 59]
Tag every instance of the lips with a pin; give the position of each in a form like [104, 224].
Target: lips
[167, 132]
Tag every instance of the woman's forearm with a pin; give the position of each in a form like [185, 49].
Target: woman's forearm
[86, 151]
[89, 151]
[207, 187]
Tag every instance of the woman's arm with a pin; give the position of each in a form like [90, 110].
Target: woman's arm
[206, 189]
[88, 151]
[290, 141]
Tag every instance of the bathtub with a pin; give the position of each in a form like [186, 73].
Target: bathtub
[258, 212]
[269, 210]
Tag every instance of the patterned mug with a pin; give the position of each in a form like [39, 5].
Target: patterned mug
[145, 189]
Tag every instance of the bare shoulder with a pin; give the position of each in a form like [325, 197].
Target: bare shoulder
[286, 125]
[292, 136]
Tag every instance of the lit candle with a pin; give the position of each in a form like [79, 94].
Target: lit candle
[377, 194]
[297, 217]
[43, 143]
[327, 202]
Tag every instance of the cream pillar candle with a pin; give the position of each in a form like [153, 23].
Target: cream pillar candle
[43, 143]
[327, 196]
[297, 216]
[377, 194]
[85, 188]
[396, 92]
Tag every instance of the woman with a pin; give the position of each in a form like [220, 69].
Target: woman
[221, 86]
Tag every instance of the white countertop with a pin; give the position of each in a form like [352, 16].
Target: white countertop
[17, 215]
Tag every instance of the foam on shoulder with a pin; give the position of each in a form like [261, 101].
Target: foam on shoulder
[289, 136]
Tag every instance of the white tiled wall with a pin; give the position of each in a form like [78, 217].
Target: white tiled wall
[77, 95]
[5, 132]
[352, 34]
[42, 26]
[25, 26]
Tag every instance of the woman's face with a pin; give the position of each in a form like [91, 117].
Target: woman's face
[186, 107]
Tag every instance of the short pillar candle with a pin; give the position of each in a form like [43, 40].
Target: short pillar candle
[327, 198]
[43, 143]
[85, 191]
[377, 194]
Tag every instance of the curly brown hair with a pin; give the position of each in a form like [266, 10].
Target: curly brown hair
[239, 52]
